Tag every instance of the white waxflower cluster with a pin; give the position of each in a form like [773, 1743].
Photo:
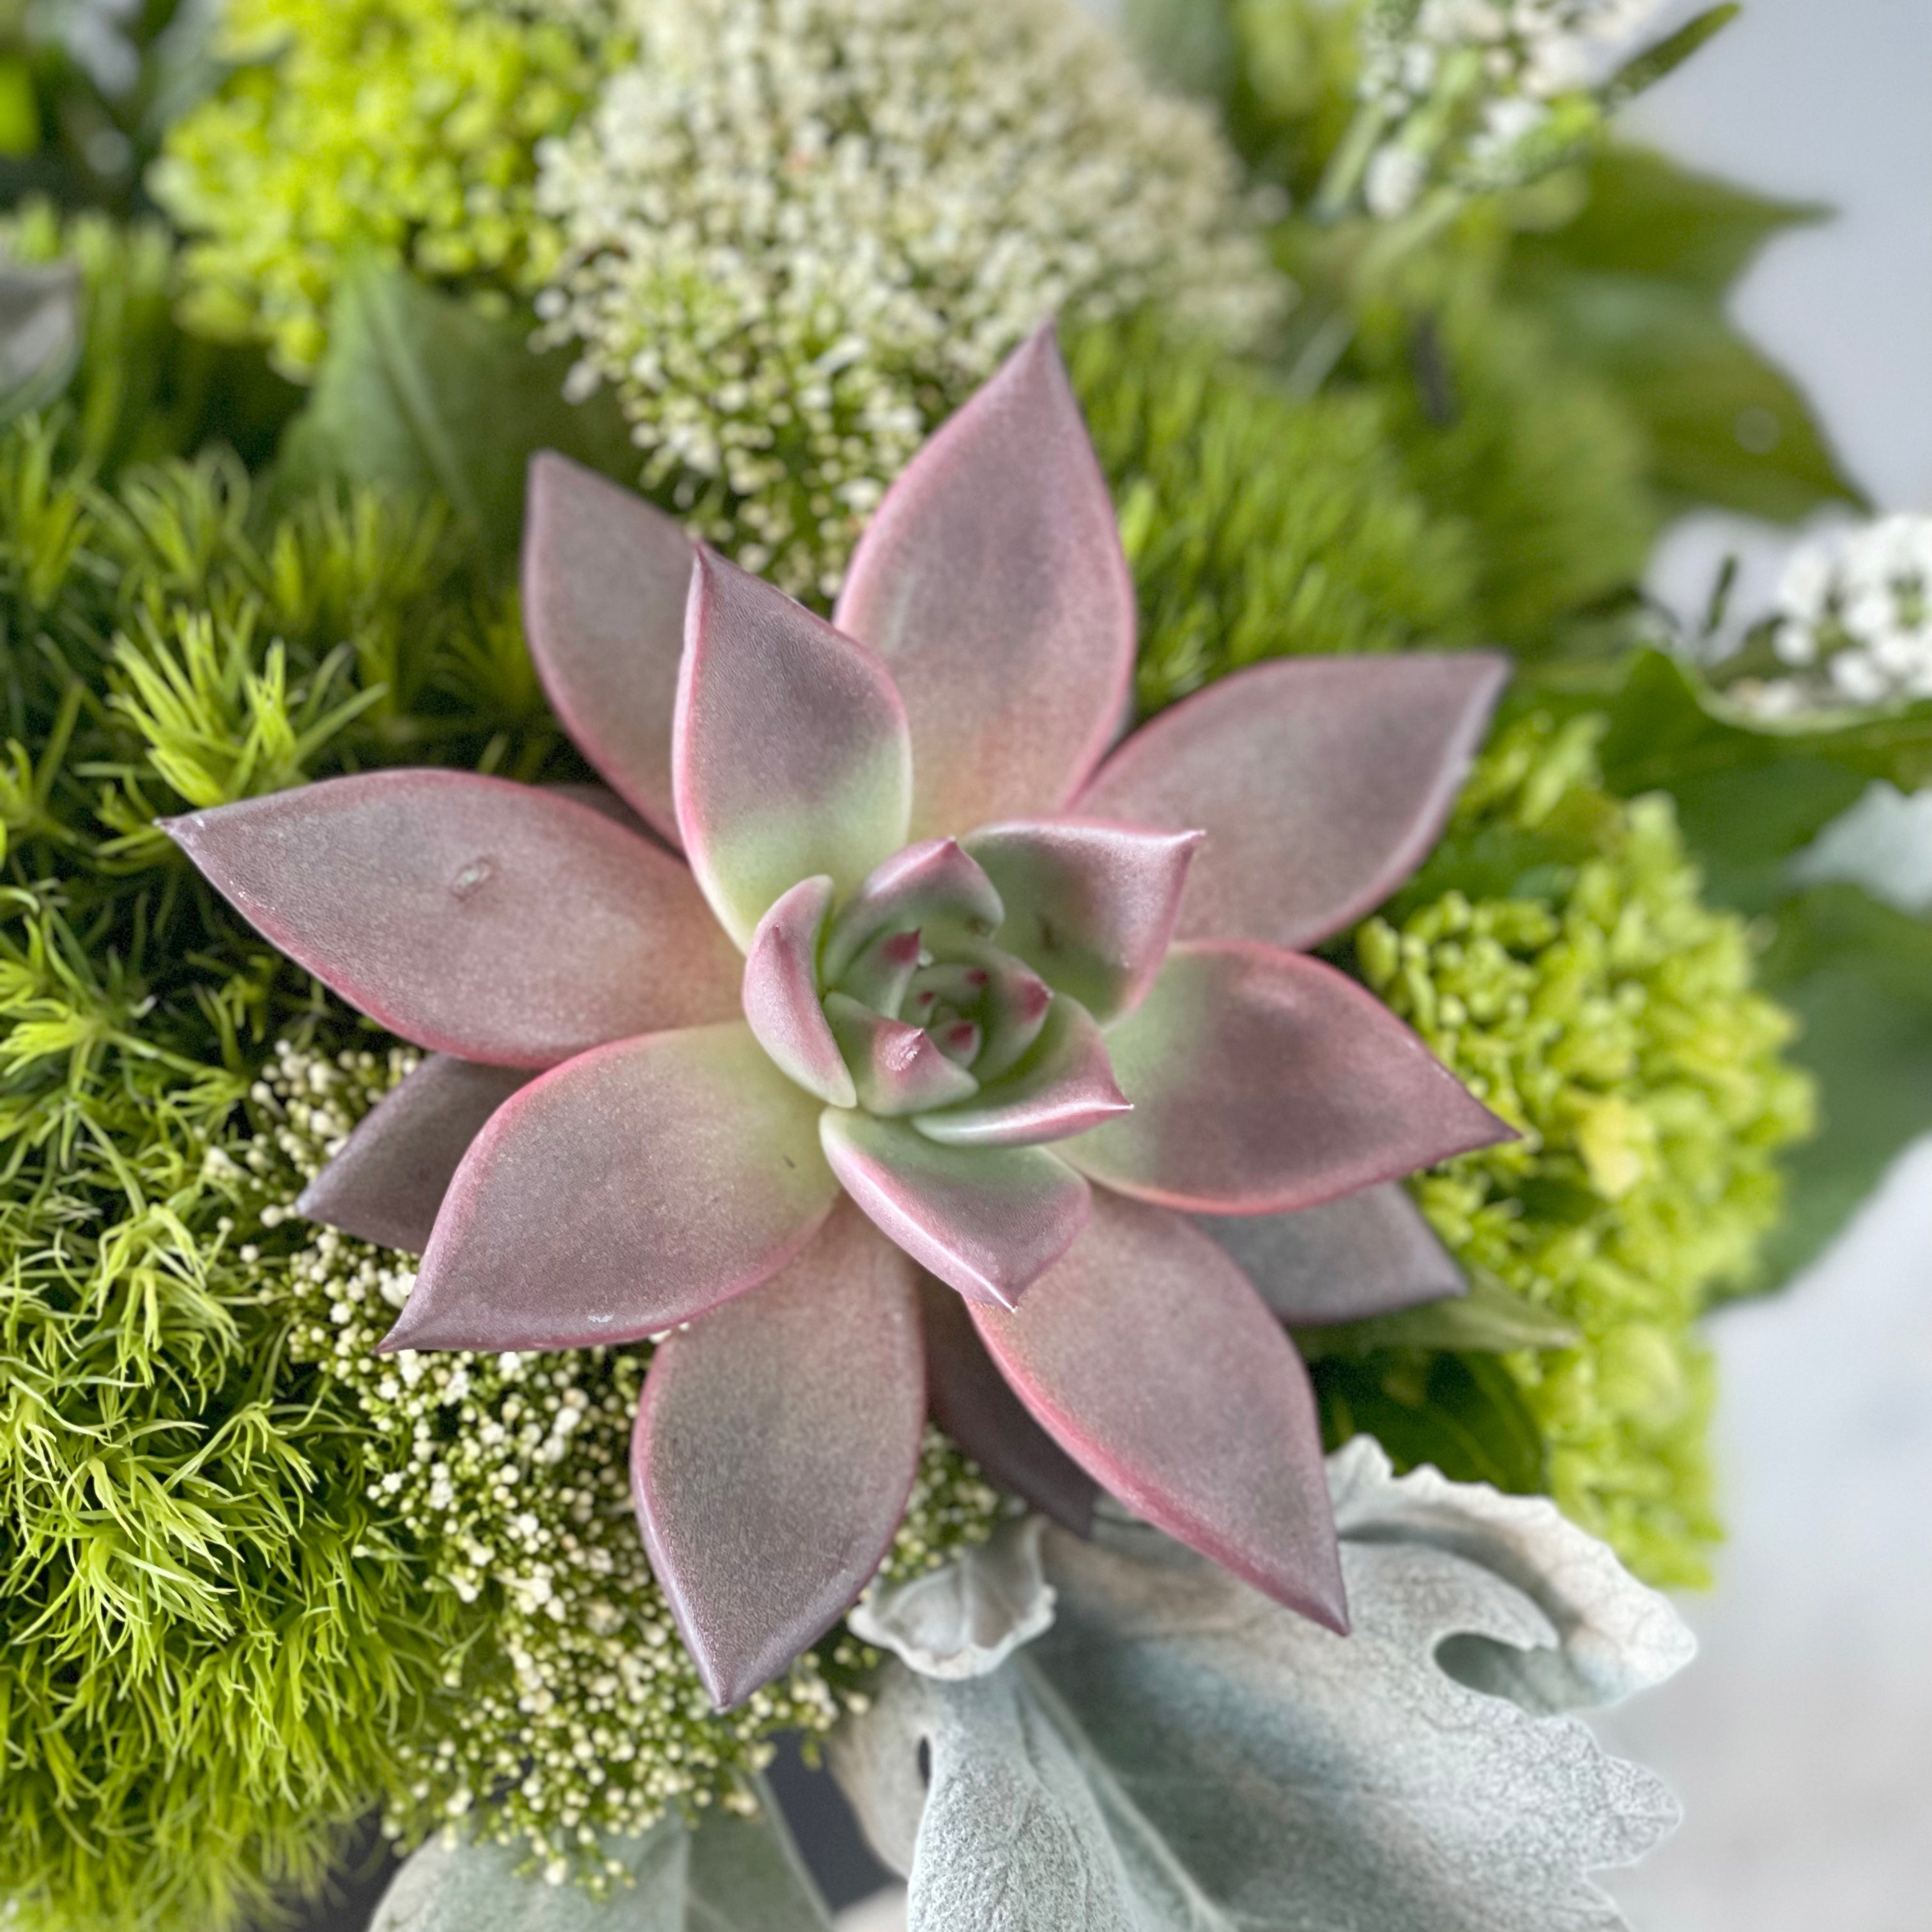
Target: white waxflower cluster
[799, 232]
[1482, 73]
[1854, 616]
[572, 1711]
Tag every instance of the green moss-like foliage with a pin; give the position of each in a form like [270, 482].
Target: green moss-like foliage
[1555, 953]
[1256, 525]
[404, 131]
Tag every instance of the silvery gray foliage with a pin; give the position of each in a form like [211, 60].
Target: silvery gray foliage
[40, 332]
[1177, 1754]
[728, 1874]
[965, 1619]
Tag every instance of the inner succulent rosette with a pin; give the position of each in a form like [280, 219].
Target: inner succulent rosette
[885, 1045]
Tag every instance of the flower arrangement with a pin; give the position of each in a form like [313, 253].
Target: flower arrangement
[601, 1166]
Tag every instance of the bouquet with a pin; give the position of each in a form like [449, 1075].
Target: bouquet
[851, 890]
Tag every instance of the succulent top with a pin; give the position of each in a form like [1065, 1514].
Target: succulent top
[908, 1074]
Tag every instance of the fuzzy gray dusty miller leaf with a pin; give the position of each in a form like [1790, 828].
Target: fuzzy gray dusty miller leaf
[726, 1874]
[1178, 1755]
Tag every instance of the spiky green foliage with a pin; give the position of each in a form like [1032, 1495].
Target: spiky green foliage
[1257, 525]
[1555, 953]
[402, 130]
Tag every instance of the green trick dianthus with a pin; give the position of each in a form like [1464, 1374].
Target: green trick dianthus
[1556, 954]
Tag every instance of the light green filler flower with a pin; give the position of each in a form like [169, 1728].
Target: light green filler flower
[799, 232]
[1576, 980]
[402, 130]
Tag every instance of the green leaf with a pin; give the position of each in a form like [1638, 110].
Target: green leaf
[1489, 1319]
[726, 1874]
[1663, 58]
[428, 395]
[1463, 1413]
[1178, 1754]
[1859, 974]
[1636, 286]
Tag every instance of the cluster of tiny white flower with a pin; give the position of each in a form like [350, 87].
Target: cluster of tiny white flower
[572, 1710]
[1854, 615]
[1430, 67]
[799, 232]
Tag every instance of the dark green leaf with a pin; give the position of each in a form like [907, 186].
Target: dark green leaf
[1462, 1413]
[1636, 286]
[1488, 1319]
[1859, 974]
[428, 395]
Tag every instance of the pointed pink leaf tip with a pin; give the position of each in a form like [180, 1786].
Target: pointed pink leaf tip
[388, 1180]
[624, 1193]
[1264, 1081]
[1321, 783]
[1148, 1357]
[988, 1221]
[776, 1444]
[992, 582]
[790, 756]
[1063, 1085]
[606, 577]
[432, 901]
[1091, 907]
[781, 1004]
[931, 885]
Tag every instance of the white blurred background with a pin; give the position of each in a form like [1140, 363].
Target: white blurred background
[1801, 1740]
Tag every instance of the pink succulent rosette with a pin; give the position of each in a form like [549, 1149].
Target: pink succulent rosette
[896, 1092]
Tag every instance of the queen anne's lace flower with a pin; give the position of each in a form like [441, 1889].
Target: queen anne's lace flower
[1489, 68]
[1854, 618]
[799, 231]
[1006, 1053]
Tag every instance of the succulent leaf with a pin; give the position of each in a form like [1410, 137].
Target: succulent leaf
[623, 1193]
[1322, 783]
[781, 1003]
[930, 885]
[1091, 907]
[1148, 1357]
[1063, 1086]
[897, 1068]
[988, 1221]
[789, 755]
[432, 901]
[1263, 1081]
[975, 1404]
[389, 1179]
[606, 577]
[1366, 1253]
[776, 1445]
[991, 580]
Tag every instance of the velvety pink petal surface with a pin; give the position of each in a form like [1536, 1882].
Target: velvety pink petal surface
[1321, 783]
[605, 580]
[1149, 1358]
[970, 1401]
[789, 754]
[624, 1193]
[776, 1446]
[434, 901]
[1368, 1253]
[930, 885]
[986, 1220]
[1091, 907]
[389, 1178]
[1264, 1081]
[991, 580]
[1063, 1085]
[781, 1004]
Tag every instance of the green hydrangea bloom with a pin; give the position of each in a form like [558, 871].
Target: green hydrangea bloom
[1555, 953]
[402, 129]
